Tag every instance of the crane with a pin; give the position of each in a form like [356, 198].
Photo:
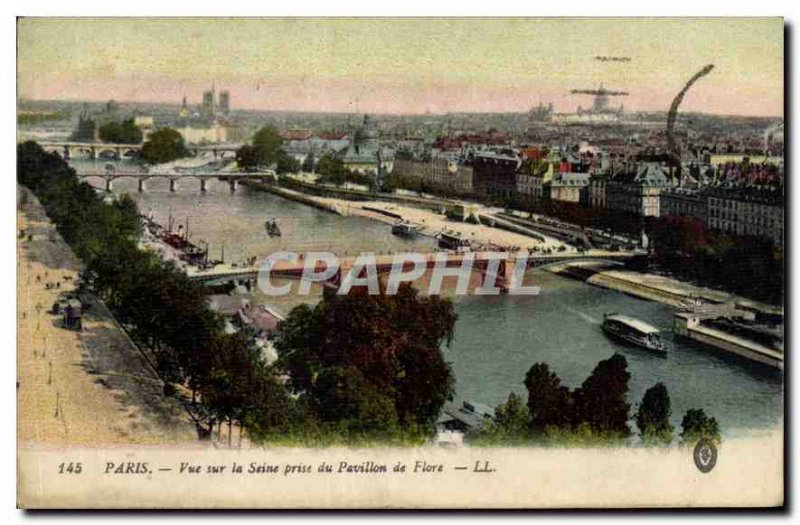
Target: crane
[674, 149]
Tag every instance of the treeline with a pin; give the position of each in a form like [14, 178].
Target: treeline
[745, 265]
[596, 413]
[27, 118]
[265, 152]
[684, 247]
[355, 369]
[156, 302]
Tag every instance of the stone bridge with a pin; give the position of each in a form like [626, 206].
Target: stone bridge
[95, 150]
[109, 176]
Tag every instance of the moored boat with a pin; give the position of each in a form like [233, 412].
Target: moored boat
[405, 229]
[451, 240]
[633, 331]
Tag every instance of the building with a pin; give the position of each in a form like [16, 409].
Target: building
[638, 191]
[224, 102]
[532, 187]
[441, 173]
[216, 133]
[208, 109]
[365, 151]
[747, 211]
[570, 187]
[495, 173]
[684, 202]
[87, 130]
[597, 190]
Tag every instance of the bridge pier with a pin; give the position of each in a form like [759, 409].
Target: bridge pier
[142, 186]
[204, 185]
[234, 184]
[173, 185]
[66, 153]
[117, 154]
[93, 153]
[109, 185]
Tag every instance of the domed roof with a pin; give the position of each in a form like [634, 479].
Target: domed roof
[367, 131]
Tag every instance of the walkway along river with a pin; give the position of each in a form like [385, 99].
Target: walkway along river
[496, 338]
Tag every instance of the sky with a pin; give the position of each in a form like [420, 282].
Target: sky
[406, 65]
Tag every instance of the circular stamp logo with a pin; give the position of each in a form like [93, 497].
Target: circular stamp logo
[705, 455]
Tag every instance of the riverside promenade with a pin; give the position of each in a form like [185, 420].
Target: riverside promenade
[88, 387]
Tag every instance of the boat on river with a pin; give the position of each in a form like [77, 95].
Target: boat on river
[634, 332]
[452, 240]
[272, 228]
[405, 229]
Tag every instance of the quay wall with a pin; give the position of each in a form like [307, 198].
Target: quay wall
[741, 347]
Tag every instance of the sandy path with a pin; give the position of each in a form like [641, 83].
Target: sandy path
[79, 388]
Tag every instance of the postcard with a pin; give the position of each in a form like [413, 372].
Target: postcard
[400, 263]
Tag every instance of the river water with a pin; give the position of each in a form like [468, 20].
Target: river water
[496, 338]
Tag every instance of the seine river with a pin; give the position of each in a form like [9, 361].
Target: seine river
[496, 338]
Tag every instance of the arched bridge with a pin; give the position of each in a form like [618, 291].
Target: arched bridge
[95, 150]
[225, 273]
[174, 176]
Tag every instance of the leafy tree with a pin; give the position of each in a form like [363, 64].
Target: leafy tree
[601, 400]
[268, 142]
[125, 132]
[343, 395]
[248, 157]
[287, 164]
[696, 424]
[513, 416]
[652, 418]
[164, 145]
[265, 151]
[160, 307]
[548, 400]
[393, 341]
[332, 170]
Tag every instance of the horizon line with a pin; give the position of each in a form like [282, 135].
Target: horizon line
[96, 101]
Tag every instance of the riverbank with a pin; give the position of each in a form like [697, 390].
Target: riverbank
[87, 387]
[429, 222]
[658, 288]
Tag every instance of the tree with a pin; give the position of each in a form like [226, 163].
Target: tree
[332, 170]
[248, 157]
[652, 418]
[601, 401]
[287, 164]
[548, 400]
[125, 132]
[513, 416]
[265, 151]
[342, 395]
[393, 341]
[696, 425]
[268, 142]
[164, 145]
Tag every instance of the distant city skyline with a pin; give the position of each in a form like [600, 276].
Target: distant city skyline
[405, 66]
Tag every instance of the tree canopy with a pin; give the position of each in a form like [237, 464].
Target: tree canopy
[164, 145]
[696, 425]
[376, 357]
[125, 132]
[652, 418]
